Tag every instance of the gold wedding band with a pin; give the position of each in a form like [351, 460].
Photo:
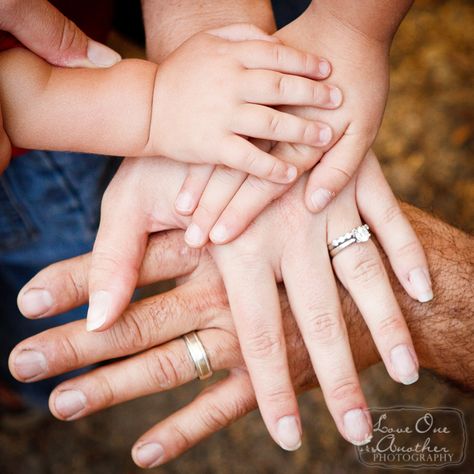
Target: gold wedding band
[198, 355]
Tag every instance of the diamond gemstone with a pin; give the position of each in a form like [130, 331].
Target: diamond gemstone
[362, 233]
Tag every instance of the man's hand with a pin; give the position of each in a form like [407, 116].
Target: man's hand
[150, 331]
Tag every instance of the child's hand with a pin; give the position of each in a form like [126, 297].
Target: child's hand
[225, 202]
[212, 93]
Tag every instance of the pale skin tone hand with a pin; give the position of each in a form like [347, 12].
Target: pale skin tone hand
[224, 202]
[43, 29]
[193, 107]
[157, 360]
[142, 193]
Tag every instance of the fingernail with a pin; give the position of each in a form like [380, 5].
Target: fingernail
[193, 235]
[219, 234]
[35, 302]
[149, 455]
[421, 284]
[325, 135]
[357, 427]
[184, 202]
[291, 173]
[101, 55]
[404, 364]
[30, 364]
[98, 308]
[324, 67]
[335, 95]
[289, 435]
[70, 403]
[321, 198]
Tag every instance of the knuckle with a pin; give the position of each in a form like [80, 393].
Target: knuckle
[366, 270]
[277, 54]
[323, 326]
[264, 343]
[67, 352]
[391, 214]
[182, 440]
[164, 368]
[390, 325]
[310, 131]
[278, 396]
[344, 389]
[281, 86]
[67, 36]
[409, 249]
[131, 333]
[103, 391]
[215, 417]
[274, 123]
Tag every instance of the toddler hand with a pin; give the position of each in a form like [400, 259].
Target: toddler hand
[214, 91]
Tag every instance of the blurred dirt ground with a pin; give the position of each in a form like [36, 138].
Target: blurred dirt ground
[426, 147]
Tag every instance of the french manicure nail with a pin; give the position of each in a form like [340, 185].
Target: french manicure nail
[98, 309]
[357, 427]
[404, 364]
[69, 403]
[335, 95]
[30, 364]
[35, 302]
[219, 234]
[321, 198]
[193, 235]
[184, 202]
[324, 67]
[421, 284]
[325, 135]
[289, 435]
[149, 455]
[101, 55]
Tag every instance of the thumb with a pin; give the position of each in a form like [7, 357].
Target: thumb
[243, 32]
[43, 29]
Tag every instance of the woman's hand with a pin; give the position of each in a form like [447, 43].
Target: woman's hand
[360, 69]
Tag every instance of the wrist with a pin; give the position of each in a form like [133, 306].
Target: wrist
[373, 21]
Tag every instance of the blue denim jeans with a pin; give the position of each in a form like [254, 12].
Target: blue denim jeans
[49, 211]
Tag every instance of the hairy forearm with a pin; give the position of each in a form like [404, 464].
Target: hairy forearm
[105, 111]
[170, 23]
[374, 19]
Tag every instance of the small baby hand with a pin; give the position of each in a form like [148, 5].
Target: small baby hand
[215, 91]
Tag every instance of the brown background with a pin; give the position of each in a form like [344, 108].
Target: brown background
[426, 148]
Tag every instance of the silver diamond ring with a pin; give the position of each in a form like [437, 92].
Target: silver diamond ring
[355, 236]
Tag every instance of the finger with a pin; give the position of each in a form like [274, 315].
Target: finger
[253, 196]
[148, 322]
[254, 302]
[361, 271]
[47, 32]
[272, 88]
[192, 188]
[256, 194]
[380, 209]
[159, 369]
[242, 32]
[281, 58]
[220, 189]
[240, 154]
[333, 172]
[264, 122]
[215, 408]
[64, 285]
[115, 262]
[314, 299]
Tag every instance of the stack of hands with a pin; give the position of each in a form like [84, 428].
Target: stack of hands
[268, 159]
